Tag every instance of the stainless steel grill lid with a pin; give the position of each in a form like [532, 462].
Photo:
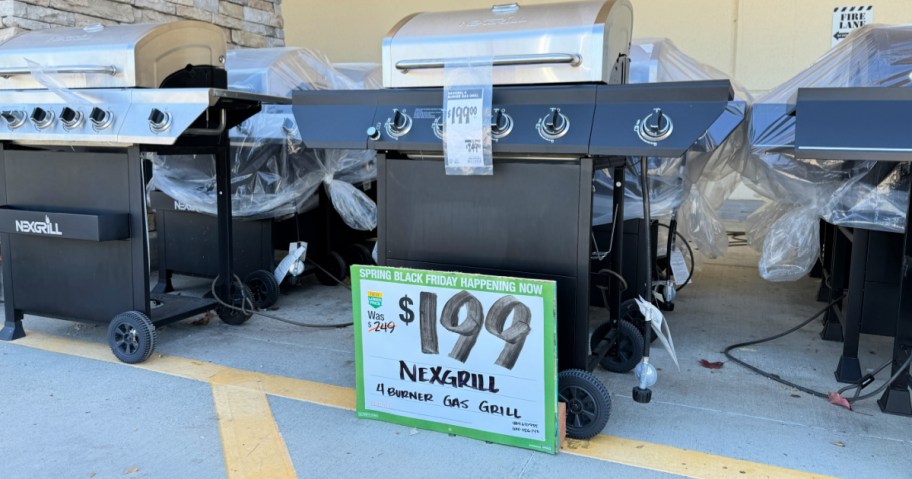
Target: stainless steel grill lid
[116, 56]
[572, 42]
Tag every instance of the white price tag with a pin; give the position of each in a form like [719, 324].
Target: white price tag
[679, 267]
[465, 127]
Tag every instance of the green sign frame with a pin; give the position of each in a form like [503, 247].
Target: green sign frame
[545, 291]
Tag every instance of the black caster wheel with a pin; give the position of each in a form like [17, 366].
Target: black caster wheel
[626, 352]
[233, 316]
[131, 337]
[360, 254]
[642, 396]
[335, 268]
[588, 403]
[264, 287]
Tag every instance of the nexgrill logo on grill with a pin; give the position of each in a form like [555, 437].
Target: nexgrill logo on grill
[38, 227]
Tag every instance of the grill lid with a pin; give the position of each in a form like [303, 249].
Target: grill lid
[569, 42]
[114, 56]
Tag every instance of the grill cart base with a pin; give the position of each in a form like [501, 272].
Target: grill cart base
[75, 239]
[186, 244]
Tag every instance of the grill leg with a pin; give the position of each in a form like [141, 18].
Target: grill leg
[617, 243]
[223, 204]
[12, 327]
[896, 399]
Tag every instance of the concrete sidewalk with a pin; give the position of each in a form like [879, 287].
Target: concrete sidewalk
[69, 416]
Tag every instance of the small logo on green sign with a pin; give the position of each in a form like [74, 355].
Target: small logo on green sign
[375, 299]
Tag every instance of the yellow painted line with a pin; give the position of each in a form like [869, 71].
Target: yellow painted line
[644, 455]
[253, 445]
[673, 460]
[299, 389]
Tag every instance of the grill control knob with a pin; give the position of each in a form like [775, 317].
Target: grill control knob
[70, 118]
[42, 118]
[14, 118]
[159, 121]
[101, 119]
[437, 127]
[373, 133]
[501, 123]
[554, 125]
[656, 127]
[399, 124]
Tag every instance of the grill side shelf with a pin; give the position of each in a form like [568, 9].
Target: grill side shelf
[78, 226]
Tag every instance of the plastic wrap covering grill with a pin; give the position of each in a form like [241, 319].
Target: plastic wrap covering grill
[274, 176]
[862, 194]
[695, 185]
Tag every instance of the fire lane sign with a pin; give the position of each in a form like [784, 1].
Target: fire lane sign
[846, 19]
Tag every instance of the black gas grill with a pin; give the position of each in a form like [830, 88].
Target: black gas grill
[560, 110]
[72, 197]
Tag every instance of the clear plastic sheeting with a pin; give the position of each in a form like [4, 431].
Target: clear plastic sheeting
[367, 76]
[273, 175]
[263, 183]
[281, 71]
[861, 194]
[696, 185]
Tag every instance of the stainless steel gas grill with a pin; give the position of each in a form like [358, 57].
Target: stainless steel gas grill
[80, 108]
[560, 109]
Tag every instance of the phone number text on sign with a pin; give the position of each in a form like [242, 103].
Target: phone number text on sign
[465, 354]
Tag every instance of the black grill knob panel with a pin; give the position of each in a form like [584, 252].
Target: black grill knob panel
[554, 125]
[42, 118]
[159, 121]
[501, 123]
[101, 119]
[14, 118]
[70, 118]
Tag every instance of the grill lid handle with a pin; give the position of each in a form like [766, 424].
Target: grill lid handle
[571, 59]
[100, 69]
[505, 8]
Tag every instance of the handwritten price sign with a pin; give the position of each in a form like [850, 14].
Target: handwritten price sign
[464, 354]
[470, 327]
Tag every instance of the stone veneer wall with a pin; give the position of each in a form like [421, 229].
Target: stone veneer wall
[247, 23]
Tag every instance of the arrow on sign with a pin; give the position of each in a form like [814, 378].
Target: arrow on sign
[840, 35]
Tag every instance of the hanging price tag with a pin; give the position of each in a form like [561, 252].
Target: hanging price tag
[679, 267]
[464, 127]
[467, 119]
